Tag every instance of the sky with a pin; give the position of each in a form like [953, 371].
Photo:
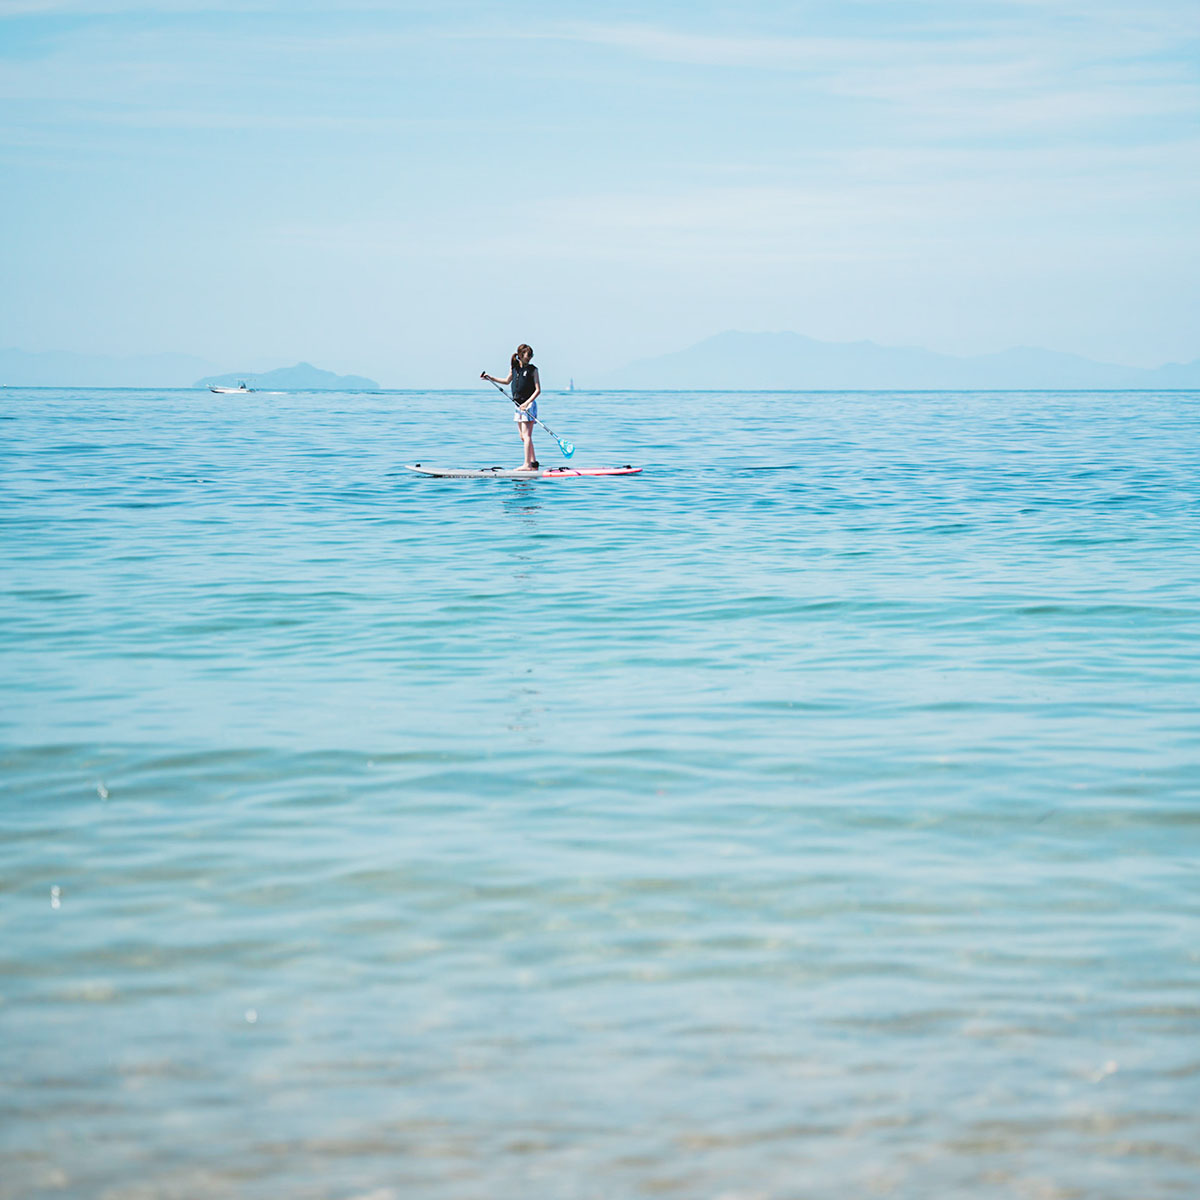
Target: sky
[407, 190]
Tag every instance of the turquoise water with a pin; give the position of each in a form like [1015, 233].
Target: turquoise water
[814, 815]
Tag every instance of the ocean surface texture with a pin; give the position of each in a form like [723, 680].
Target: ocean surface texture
[813, 816]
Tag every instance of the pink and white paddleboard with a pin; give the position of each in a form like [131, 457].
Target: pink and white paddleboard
[508, 473]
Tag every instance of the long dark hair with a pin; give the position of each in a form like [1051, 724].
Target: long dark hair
[516, 358]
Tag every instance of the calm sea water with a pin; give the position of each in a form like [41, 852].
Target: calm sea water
[814, 815]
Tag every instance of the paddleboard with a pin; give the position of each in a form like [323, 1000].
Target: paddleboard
[508, 473]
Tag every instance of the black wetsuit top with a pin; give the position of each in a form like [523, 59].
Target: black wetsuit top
[524, 380]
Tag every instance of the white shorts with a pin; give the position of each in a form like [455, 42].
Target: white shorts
[529, 414]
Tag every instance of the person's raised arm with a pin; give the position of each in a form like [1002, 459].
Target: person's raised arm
[506, 379]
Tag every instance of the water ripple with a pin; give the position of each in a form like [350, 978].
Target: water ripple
[816, 811]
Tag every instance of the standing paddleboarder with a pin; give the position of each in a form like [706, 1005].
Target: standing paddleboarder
[526, 388]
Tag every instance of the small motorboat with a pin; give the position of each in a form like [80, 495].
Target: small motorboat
[240, 390]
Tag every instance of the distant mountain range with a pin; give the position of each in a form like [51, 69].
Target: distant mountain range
[736, 361]
[302, 377]
[729, 361]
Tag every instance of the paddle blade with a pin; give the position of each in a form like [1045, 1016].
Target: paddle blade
[568, 448]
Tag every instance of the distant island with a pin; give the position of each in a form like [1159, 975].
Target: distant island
[64, 368]
[735, 361]
[303, 377]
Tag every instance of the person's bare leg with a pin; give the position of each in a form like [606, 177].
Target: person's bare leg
[525, 428]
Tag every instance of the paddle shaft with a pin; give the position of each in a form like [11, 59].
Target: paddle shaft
[561, 444]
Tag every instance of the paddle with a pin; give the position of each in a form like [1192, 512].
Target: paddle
[568, 448]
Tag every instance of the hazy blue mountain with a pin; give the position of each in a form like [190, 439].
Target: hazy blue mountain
[60, 368]
[300, 378]
[769, 361]
[1176, 375]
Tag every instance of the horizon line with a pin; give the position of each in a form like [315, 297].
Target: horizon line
[897, 391]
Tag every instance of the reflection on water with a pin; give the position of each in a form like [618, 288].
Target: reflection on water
[522, 501]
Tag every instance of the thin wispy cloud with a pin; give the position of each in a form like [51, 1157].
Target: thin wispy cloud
[1010, 82]
[935, 83]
